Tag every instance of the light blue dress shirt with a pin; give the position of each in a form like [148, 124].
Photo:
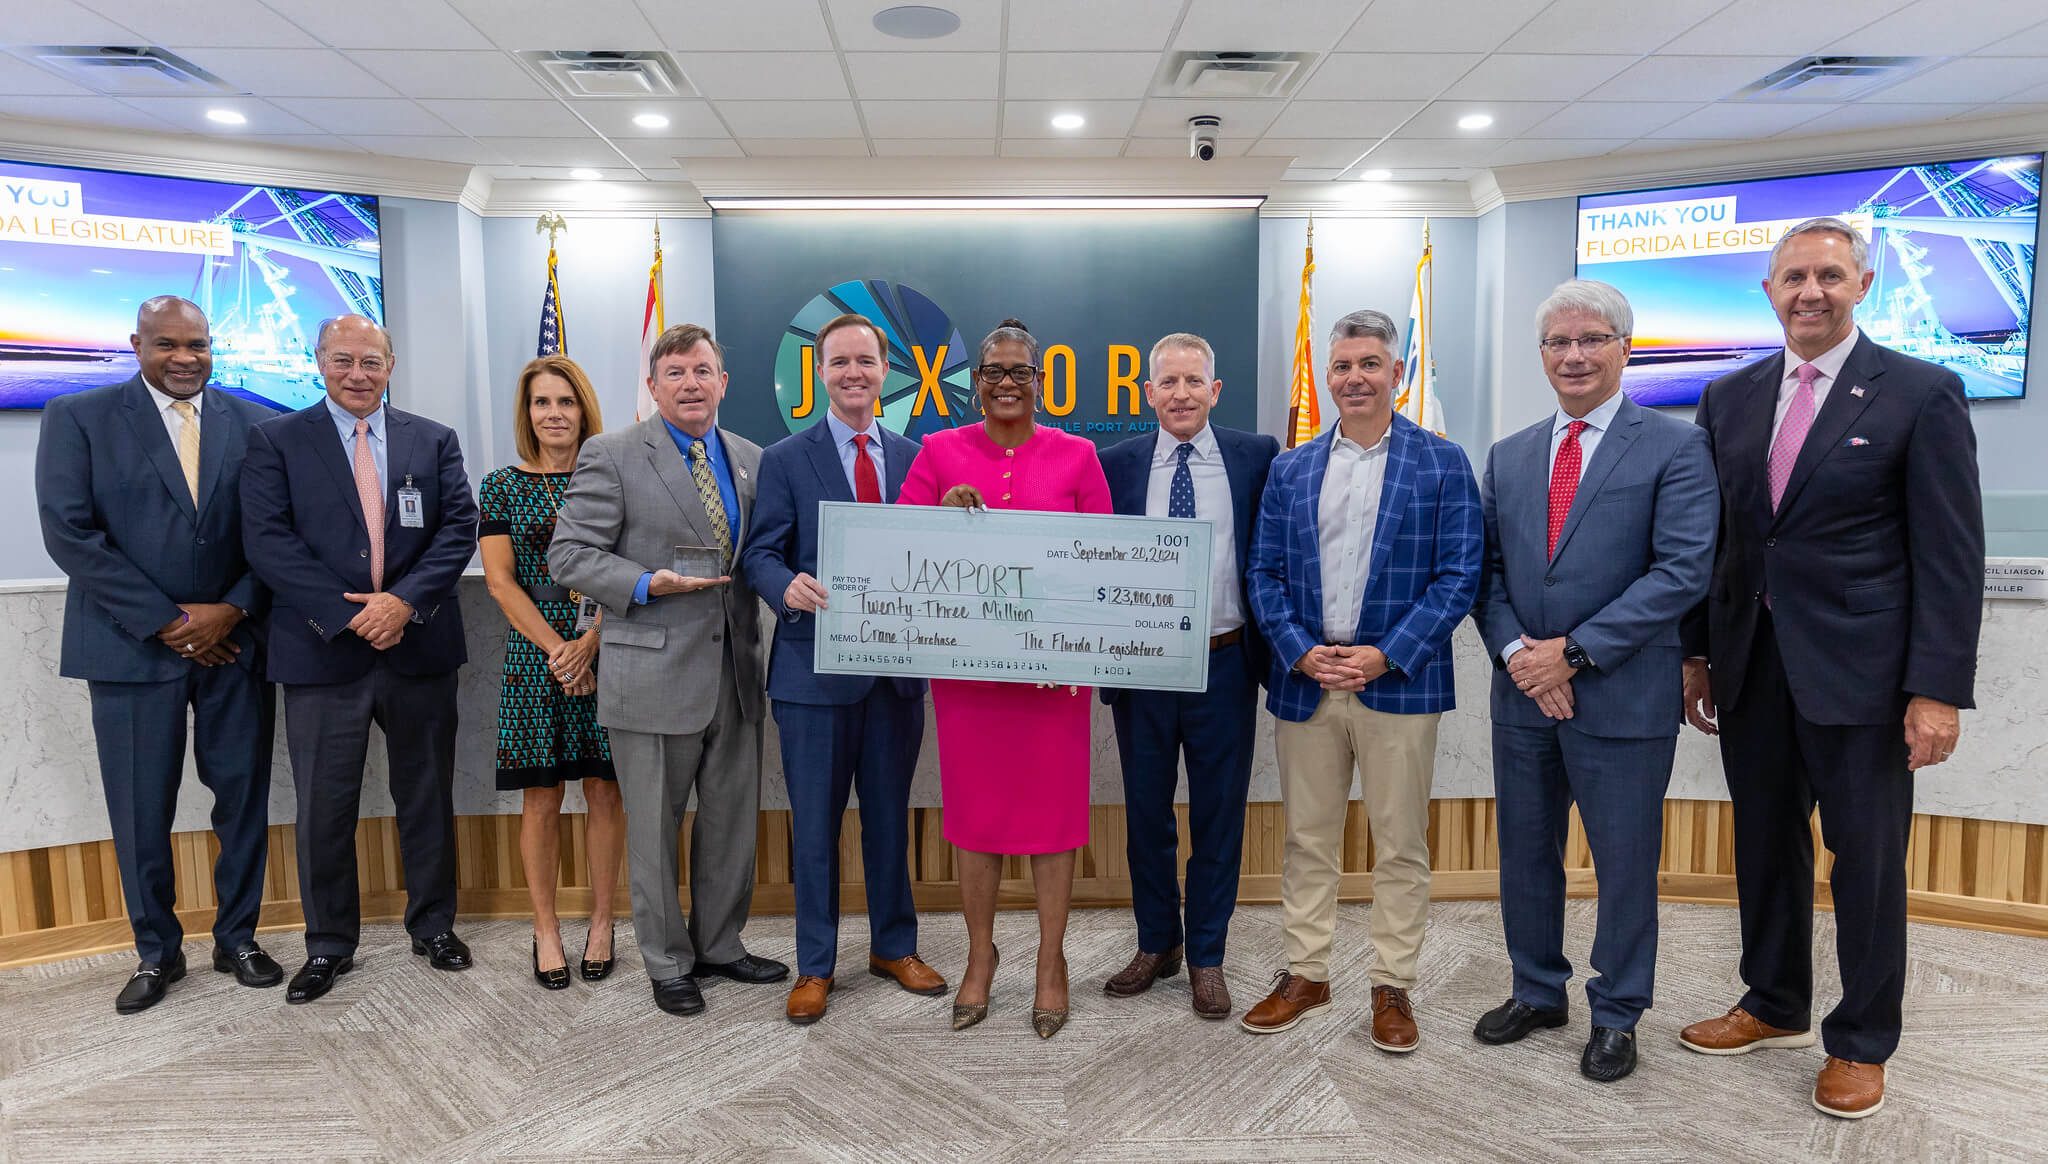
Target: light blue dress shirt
[345, 423]
[842, 440]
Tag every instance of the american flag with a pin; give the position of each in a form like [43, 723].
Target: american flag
[554, 335]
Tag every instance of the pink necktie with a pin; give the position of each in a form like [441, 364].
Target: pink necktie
[373, 502]
[1792, 434]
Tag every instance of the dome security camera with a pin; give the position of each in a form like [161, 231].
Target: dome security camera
[1202, 134]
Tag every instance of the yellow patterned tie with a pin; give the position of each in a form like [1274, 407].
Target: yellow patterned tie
[188, 445]
[707, 492]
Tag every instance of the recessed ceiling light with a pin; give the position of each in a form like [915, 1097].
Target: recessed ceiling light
[650, 121]
[585, 175]
[1375, 175]
[1475, 121]
[916, 22]
[226, 117]
[1068, 121]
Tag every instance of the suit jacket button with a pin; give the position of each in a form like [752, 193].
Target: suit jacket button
[201, 541]
[362, 553]
[717, 636]
[1770, 541]
[1550, 581]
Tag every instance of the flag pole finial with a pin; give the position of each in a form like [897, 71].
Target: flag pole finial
[552, 224]
[657, 234]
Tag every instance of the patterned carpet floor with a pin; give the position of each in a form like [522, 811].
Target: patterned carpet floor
[404, 1063]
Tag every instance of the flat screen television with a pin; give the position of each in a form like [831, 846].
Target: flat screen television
[1952, 245]
[80, 250]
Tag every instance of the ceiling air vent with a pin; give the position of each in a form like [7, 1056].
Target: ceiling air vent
[601, 73]
[1230, 75]
[1829, 78]
[129, 70]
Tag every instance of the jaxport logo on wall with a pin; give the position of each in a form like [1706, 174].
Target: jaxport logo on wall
[931, 375]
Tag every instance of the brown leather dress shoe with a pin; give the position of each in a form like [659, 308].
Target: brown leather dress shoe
[910, 972]
[1294, 998]
[807, 999]
[1144, 970]
[1393, 1020]
[1849, 1090]
[1738, 1033]
[1212, 997]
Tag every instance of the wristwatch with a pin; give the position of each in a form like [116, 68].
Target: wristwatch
[1575, 655]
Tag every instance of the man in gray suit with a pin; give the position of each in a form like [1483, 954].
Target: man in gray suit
[1600, 524]
[681, 686]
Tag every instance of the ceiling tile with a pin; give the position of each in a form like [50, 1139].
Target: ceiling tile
[549, 24]
[1941, 28]
[2031, 43]
[1624, 119]
[509, 118]
[1536, 77]
[306, 141]
[614, 119]
[1177, 147]
[189, 114]
[925, 76]
[766, 76]
[1975, 80]
[1794, 30]
[83, 111]
[1342, 118]
[18, 78]
[805, 147]
[488, 74]
[568, 173]
[665, 173]
[1430, 153]
[905, 119]
[1310, 174]
[357, 116]
[788, 25]
[1510, 119]
[288, 72]
[935, 147]
[1313, 153]
[549, 151]
[1870, 115]
[383, 24]
[1049, 25]
[981, 27]
[1386, 76]
[1034, 118]
[809, 119]
[1528, 150]
[1742, 119]
[664, 153]
[440, 149]
[1438, 26]
[1030, 147]
[61, 22]
[1682, 78]
[1168, 117]
[227, 23]
[1073, 76]
[1289, 26]
[1610, 25]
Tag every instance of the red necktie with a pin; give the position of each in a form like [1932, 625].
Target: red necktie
[1564, 481]
[866, 486]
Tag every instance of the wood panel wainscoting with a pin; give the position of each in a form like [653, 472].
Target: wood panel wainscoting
[65, 901]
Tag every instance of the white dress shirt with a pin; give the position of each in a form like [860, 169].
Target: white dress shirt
[1349, 512]
[1212, 504]
[1828, 364]
[842, 440]
[1598, 422]
[173, 423]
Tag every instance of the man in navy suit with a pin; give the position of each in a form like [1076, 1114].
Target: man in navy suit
[360, 519]
[1366, 558]
[1837, 642]
[138, 488]
[838, 732]
[1599, 538]
[1191, 468]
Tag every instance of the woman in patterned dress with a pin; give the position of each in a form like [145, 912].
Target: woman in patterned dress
[547, 715]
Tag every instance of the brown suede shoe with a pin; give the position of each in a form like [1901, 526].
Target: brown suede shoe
[1144, 970]
[1393, 1020]
[1212, 997]
[1849, 1090]
[807, 999]
[910, 972]
[1294, 998]
[1738, 1033]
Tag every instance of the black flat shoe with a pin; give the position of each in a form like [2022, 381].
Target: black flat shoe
[595, 971]
[678, 995]
[1610, 1054]
[556, 979]
[748, 969]
[444, 951]
[1512, 1021]
[249, 964]
[317, 977]
[147, 985]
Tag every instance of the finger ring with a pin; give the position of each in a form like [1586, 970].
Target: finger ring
[188, 648]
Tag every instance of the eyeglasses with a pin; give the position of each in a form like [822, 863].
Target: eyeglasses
[994, 374]
[347, 364]
[1558, 345]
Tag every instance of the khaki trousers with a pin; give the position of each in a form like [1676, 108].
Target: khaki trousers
[1396, 759]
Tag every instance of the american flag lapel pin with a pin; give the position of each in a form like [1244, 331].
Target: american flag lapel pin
[1856, 391]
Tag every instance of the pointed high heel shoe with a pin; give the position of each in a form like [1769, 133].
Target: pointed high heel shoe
[595, 971]
[965, 1016]
[1048, 1022]
[556, 979]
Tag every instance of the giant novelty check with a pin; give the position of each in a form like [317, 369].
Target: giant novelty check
[938, 592]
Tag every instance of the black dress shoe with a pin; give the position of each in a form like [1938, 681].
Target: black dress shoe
[678, 995]
[1610, 1054]
[594, 970]
[146, 987]
[317, 977]
[249, 964]
[748, 969]
[444, 951]
[1514, 1019]
[556, 979]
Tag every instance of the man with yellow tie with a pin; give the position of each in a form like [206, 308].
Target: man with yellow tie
[138, 487]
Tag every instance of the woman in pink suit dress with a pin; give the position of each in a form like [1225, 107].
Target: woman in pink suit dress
[1013, 757]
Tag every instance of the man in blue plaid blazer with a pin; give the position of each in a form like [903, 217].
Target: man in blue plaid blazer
[1366, 557]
